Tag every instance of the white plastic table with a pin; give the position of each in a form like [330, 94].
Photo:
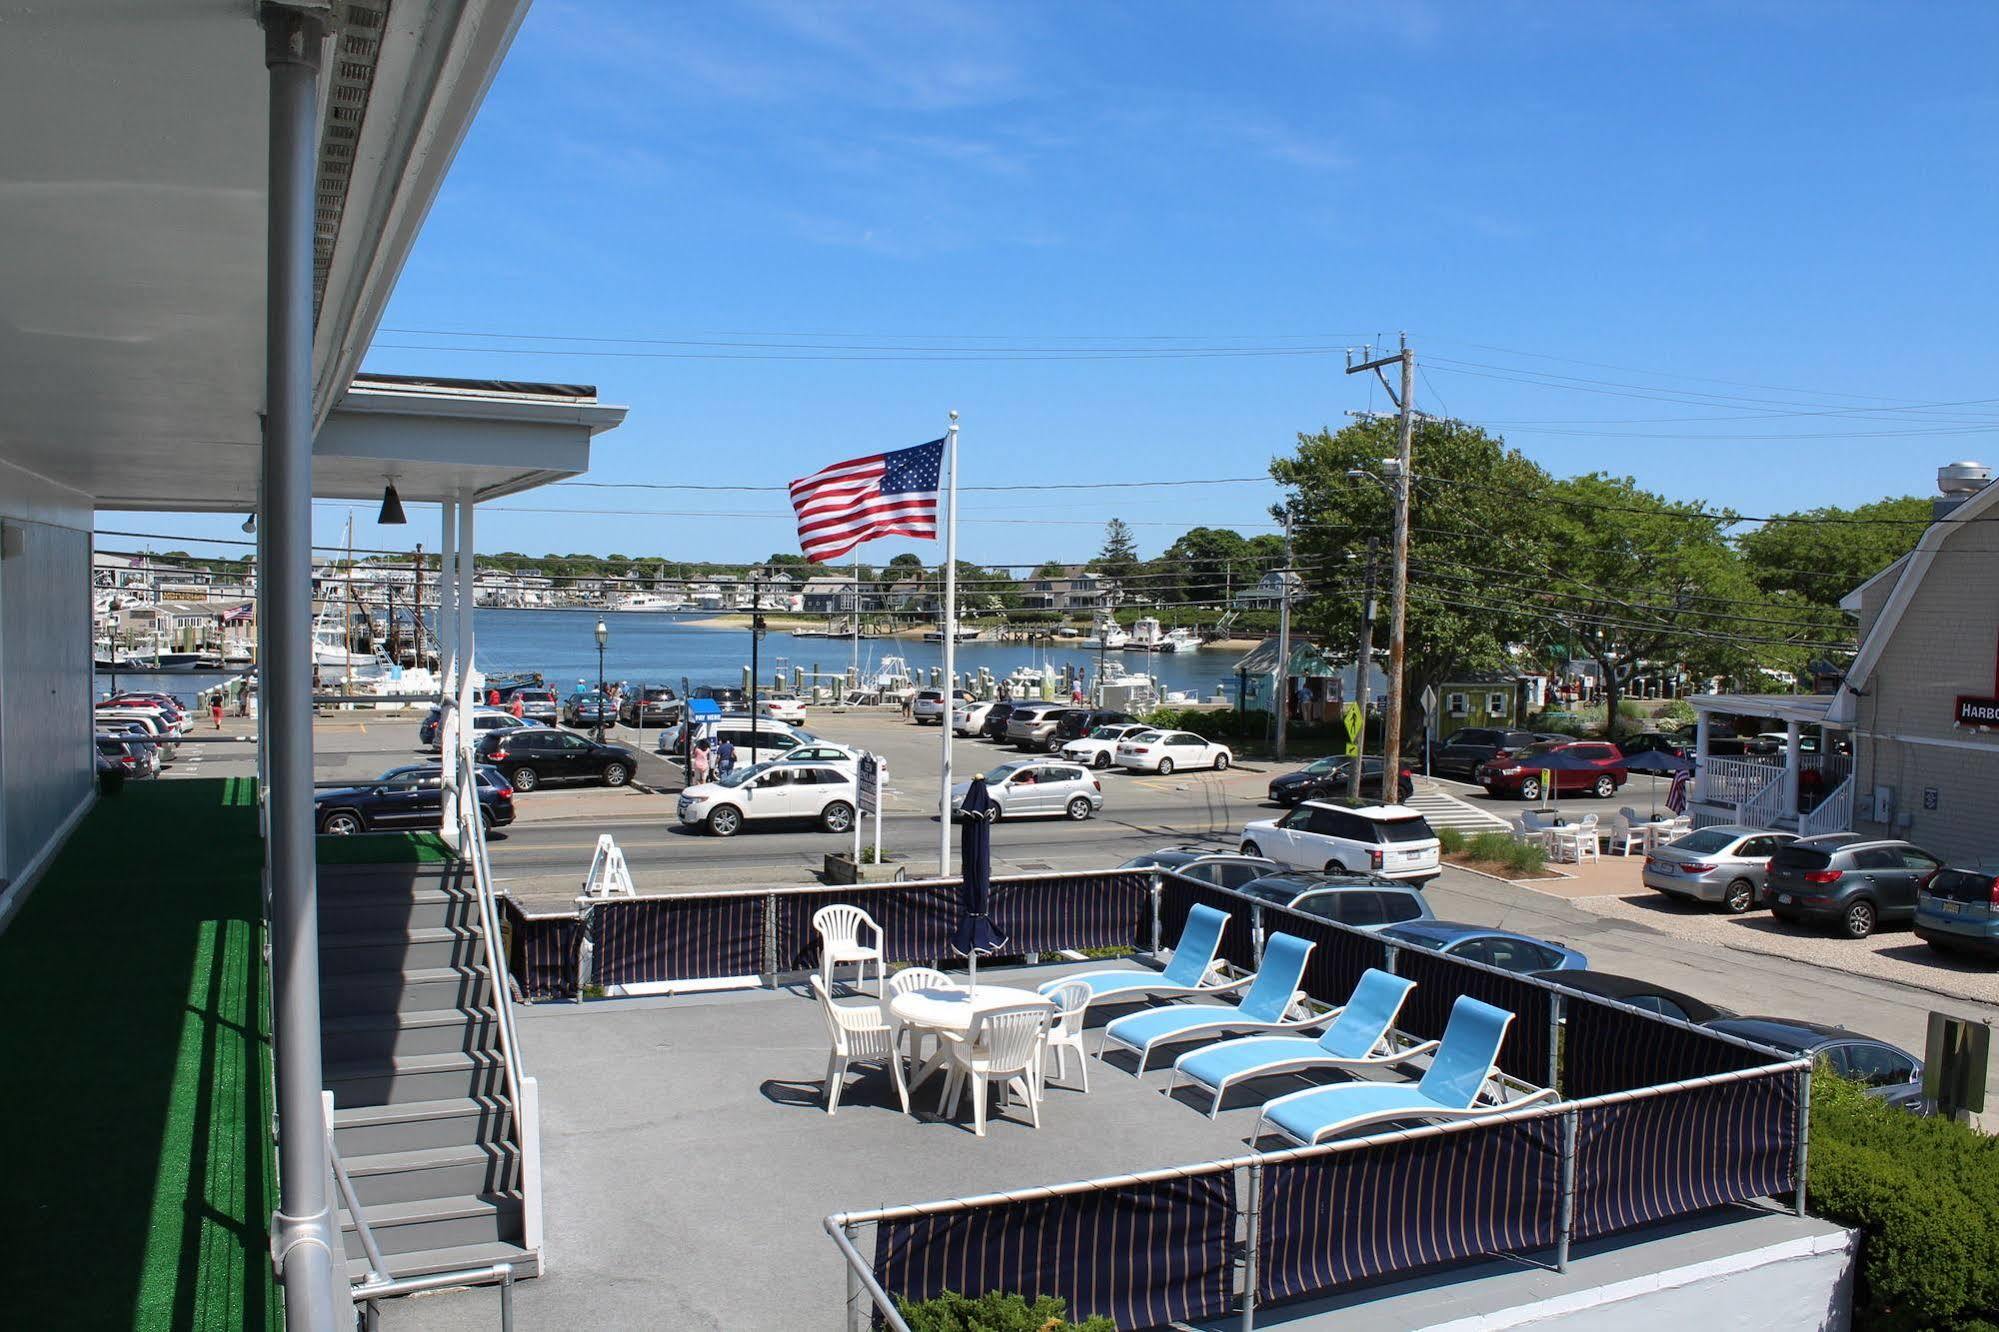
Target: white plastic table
[953, 1010]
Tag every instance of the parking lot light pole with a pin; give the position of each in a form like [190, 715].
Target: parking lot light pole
[603, 636]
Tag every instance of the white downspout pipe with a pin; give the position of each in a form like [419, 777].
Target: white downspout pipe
[447, 672]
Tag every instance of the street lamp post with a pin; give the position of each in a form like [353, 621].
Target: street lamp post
[603, 636]
[111, 618]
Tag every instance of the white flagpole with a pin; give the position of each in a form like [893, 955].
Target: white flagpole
[950, 641]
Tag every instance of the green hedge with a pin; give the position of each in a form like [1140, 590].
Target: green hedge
[994, 1312]
[1249, 732]
[1924, 1193]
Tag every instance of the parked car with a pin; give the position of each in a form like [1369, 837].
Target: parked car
[1637, 993]
[1364, 901]
[784, 707]
[1392, 840]
[767, 791]
[1079, 722]
[406, 797]
[1480, 943]
[173, 711]
[135, 758]
[1163, 751]
[1329, 776]
[484, 722]
[1098, 749]
[757, 740]
[533, 756]
[968, 718]
[1882, 1068]
[1220, 868]
[1725, 865]
[1464, 752]
[1028, 788]
[649, 705]
[587, 707]
[1958, 909]
[155, 727]
[927, 706]
[538, 705]
[726, 697]
[1848, 881]
[136, 741]
[994, 726]
[1657, 742]
[1032, 725]
[819, 751]
[1520, 775]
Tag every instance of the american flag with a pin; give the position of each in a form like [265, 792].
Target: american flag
[887, 494]
[241, 615]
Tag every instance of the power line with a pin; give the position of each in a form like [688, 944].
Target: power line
[1063, 485]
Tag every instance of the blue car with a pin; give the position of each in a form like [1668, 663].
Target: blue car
[1957, 908]
[1481, 943]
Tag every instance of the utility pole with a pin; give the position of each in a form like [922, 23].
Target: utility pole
[1284, 637]
[1363, 666]
[756, 636]
[1398, 615]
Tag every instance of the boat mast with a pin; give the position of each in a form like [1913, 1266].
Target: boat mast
[347, 620]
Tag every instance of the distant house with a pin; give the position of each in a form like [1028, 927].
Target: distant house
[1478, 698]
[1270, 591]
[827, 596]
[1076, 589]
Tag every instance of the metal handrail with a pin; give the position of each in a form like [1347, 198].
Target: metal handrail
[858, 1274]
[367, 1294]
[472, 843]
[378, 1267]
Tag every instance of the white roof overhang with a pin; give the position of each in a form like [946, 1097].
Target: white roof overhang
[1808, 709]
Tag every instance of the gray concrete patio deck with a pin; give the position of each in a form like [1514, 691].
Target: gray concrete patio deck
[689, 1161]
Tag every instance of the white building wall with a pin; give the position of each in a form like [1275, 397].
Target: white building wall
[47, 764]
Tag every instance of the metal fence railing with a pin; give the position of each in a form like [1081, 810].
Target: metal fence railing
[1158, 1248]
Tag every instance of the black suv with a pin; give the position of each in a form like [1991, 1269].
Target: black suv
[649, 705]
[1464, 752]
[1329, 776]
[530, 756]
[726, 697]
[994, 726]
[1847, 880]
[1079, 722]
[406, 797]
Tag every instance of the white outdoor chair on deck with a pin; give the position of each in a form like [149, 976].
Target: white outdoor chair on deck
[1071, 1002]
[1003, 1045]
[1534, 830]
[840, 940]
[1629, 833]
[1577, 841]
[916, 978]
[861, 1034]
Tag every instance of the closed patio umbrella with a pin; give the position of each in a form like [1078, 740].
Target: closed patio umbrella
[1658, 762]
[976, 933]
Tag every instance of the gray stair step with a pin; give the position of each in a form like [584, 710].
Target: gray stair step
[368, 1130]
[416, 990]
[379, 908]
[437, 1223]
[348, 951]
[405, 1078]
[426, 1262]
[364, 1036]
[467, 1170]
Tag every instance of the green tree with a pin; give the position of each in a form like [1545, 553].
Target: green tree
[1052, 569]
[1459, 534]
[1819, 555]
[1119, 557]
[906, 561]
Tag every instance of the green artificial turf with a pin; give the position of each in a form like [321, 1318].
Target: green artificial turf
[393, 848]
[139, 1174]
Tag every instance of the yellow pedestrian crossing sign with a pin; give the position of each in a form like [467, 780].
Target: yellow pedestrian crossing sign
[1351, 715]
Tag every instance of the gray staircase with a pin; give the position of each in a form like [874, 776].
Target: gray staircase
[412, 1056]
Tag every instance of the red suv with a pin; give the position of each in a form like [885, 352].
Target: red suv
[1520, 775]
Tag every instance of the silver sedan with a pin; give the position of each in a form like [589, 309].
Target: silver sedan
[1722, 865]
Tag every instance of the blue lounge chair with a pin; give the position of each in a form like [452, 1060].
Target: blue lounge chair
[1359, 1037]
[1186, 971]
[1272, 991]
[1451, 1087]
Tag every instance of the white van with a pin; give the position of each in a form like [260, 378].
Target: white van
[770, 738]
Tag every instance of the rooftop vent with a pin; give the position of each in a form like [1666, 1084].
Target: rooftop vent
[1956, 483]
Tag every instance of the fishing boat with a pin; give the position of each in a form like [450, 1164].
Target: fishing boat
[179, 663]
[1107, 634]
[1148, 636]
[1183, 640]
[960, 632]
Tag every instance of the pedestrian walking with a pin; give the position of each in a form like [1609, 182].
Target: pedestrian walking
[908, 705]
[520, 708]
[215, 708]
[725, 756]
[697, 764]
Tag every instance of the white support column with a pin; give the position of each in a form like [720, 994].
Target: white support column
[1701, 720]
[447, 668]
[462, 600]
[1791, 729]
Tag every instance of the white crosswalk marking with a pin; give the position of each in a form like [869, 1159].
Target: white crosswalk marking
[1447, 811]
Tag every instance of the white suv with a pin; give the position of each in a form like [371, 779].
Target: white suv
[772, 791]
[1390, 840]
[1098, 749]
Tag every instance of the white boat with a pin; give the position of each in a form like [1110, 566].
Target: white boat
[1148, 636]
[646, 601]
[960, 632]
[178, 662]
[339, 662]
[891, 678]
[1107, 634]
[1128, 692]
[1182, 639]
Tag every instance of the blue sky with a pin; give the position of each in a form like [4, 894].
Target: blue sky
[1646, 198]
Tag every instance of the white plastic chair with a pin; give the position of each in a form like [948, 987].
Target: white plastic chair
[1065, 1032]
[915, 978]
[840, 928]
[1577, 841]
[1533, 829]
[861, 1034]
[1628, 835]
[1003, 1045]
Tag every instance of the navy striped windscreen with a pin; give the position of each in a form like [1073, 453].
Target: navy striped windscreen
[1143, 1256]
[1339, 955]
[542, 952]
[640, 940]
[1684, 1151]
[1333, 1221]
[1613, 1050]
[1178, 897]
[1043, 915]
[916, 918]
[1439, 982]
